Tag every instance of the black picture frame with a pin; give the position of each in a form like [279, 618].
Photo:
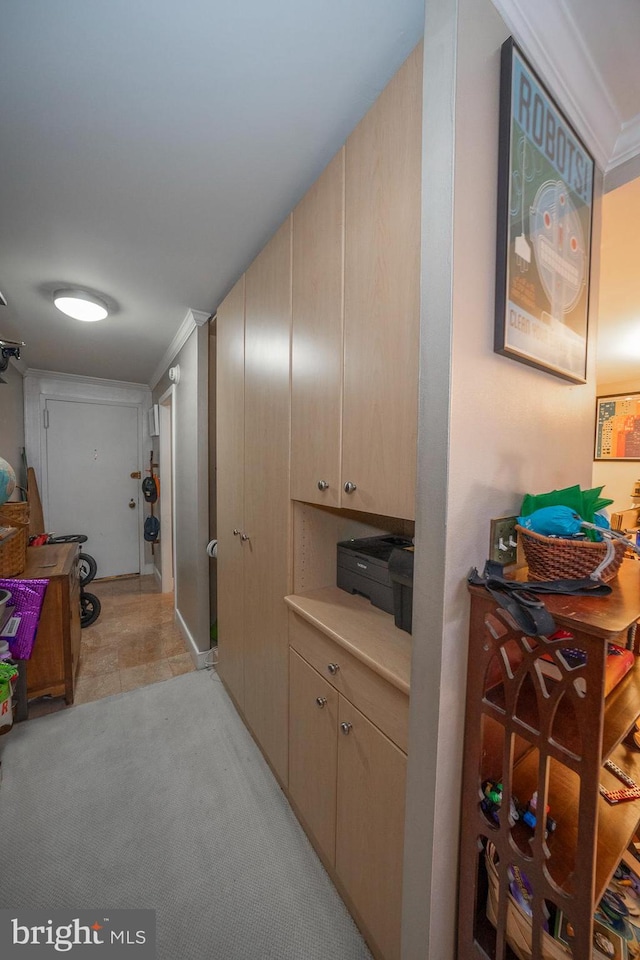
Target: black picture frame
[545, 212]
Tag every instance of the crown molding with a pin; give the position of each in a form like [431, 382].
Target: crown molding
[79, 378]
[628, 143]
[551, 39]
[193, 319]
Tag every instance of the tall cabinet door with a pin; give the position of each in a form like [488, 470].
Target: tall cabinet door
[230, 488]
[370, 825]
[382, 284]
[313, 751]
[266, 495]
[316, 365]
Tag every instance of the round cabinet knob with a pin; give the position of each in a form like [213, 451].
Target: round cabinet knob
[321, 701]
[349, 487]
[345, 727]
[333, 667]
[132, 504]
[323, 485]
[244, 536]
[236, 532]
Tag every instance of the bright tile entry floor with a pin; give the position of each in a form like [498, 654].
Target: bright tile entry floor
[134, 642]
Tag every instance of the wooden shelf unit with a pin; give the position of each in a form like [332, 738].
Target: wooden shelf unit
[531, 734]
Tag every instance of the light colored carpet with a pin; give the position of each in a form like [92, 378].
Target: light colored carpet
[159, 798]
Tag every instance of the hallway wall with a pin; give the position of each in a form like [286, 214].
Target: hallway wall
[191, 491]
[12, 421]
[491, 429]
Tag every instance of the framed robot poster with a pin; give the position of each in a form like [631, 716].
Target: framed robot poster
[545, 202]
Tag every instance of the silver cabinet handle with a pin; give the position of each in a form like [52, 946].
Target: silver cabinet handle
[236, 532]
[321, 701]
[349, 487]
[333, 667]
[323, 485]
[345, 727]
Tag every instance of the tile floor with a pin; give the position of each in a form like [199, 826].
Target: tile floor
[134, 642]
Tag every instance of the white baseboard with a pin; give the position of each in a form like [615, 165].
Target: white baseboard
[158, 577]
[148, 569]
[199, 657]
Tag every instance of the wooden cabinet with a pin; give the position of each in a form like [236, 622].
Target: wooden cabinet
[313, 752]
[370, 826]
[316, 362]
[53, 664]
[356, 280]
[253, 506]
[532, 733]
[348, 736]
[381, 298]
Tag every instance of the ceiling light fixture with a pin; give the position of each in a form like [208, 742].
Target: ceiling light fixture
[80, 305]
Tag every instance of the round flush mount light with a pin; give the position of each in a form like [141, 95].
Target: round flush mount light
[80, 305]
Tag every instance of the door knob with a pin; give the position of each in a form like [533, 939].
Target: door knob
[349, 487]
[132, 504]
[323, 485]
[345, 727]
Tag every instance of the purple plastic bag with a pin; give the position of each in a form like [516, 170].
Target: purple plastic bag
[26, 601]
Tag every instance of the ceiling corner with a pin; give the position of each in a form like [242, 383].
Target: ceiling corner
[550, 37]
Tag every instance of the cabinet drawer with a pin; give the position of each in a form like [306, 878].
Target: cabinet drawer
[385, 705]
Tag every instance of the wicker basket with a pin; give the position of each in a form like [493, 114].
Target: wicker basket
[518, 932]
[13, 549]
[552, 558]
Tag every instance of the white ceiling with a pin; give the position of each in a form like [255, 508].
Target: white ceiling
[149, 149]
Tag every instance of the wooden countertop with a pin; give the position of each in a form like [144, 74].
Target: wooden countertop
[365, 631]
[52, 560]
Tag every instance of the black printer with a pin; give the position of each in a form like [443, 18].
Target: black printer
[363, 567]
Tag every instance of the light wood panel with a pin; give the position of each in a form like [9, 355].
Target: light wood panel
[54, 661]
[313, 752]
[230, 488]
[370, 826]
[316, 367]
[267, 504]
[384, 704]
[362, 629]
[382, 284]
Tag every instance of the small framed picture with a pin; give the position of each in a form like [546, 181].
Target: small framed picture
[618, 427]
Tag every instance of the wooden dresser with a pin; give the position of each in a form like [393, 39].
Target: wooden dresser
[53, 664]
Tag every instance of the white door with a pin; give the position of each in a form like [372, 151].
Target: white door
[91, 451]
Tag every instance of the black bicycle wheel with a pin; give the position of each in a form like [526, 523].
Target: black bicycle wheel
[87, 568]
[89, 609]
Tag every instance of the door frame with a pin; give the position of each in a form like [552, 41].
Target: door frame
[44, 493]
[166, 406]
[43, 385]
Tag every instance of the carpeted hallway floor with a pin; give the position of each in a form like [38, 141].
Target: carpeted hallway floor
[159, 798]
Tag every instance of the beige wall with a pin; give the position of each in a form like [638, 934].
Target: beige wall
[491, 429]
[12, 421]
[191, 493]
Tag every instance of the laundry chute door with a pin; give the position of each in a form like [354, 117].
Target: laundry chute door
[91, 451]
